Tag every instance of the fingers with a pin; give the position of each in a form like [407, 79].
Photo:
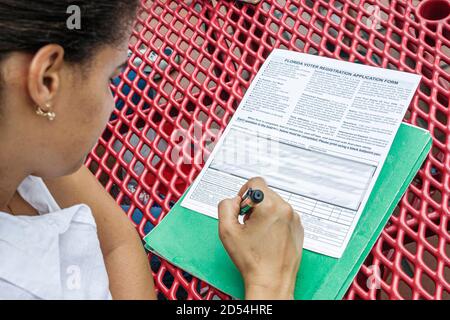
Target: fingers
[298, 226]
[297, 220]
[271, 204]
[228, 215]
[254, 183]
[260, 184]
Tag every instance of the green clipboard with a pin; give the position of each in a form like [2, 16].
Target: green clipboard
[190, 240]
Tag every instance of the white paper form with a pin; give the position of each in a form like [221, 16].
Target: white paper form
[318, 130]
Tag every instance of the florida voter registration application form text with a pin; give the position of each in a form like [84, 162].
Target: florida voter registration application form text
[318, 131]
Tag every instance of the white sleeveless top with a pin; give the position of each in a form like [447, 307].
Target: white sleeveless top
[55, 255]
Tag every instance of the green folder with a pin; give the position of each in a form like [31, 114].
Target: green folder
[190, 240]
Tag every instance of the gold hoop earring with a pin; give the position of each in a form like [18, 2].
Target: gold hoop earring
[47, 114]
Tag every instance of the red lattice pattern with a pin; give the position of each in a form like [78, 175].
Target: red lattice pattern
[190, 65]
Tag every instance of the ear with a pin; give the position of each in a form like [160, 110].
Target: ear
[44, 75]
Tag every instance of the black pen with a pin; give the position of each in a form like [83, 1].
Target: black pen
[250, 199]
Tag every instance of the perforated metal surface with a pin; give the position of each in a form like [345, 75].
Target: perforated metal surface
[190, 65]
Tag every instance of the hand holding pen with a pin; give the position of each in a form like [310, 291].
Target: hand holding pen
[267, 248]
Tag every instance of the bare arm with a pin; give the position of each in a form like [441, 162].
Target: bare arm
[126, 262]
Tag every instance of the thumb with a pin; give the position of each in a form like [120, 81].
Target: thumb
[228, 214]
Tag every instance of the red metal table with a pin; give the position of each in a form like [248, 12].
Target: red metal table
[190, 64]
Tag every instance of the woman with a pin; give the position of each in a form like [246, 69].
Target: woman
[61, 235]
